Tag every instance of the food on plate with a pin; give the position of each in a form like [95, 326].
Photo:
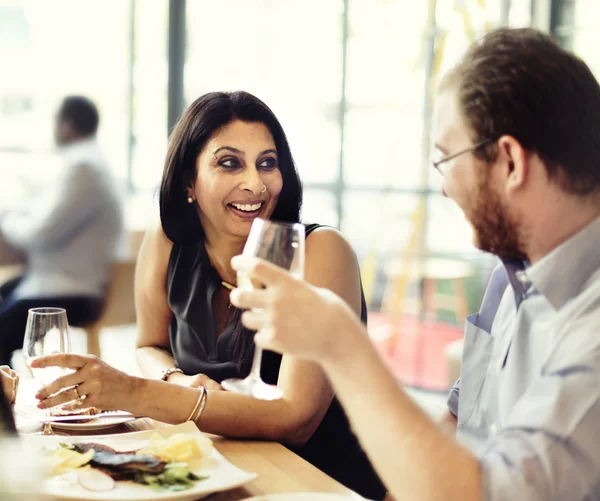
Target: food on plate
[163, 465]
[120, 464]
[179, 447]
[95, 480]
[64, 459]
[176, 477]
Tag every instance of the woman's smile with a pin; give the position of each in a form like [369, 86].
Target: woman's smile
[246, 210]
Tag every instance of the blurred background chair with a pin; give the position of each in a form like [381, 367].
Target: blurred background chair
[422, 313]
[119, 305]
[430, 275]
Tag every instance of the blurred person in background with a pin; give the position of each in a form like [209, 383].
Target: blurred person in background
[517, 128]
[69, 231]
[228, 162]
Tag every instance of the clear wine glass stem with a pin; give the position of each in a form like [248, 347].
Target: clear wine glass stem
[47, 429]
[283, 245]
[256, 363]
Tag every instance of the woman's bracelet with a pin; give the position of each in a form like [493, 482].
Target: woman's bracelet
[203, 400]
[200, 404]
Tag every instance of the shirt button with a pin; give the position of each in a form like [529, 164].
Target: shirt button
[493, 429]
[522, 277]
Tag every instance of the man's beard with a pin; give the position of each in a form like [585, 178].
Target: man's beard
[495, 229]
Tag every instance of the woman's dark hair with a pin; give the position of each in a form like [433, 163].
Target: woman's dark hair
[204, 117]
[180, 220]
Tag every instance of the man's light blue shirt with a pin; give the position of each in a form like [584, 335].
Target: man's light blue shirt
[71, 229]
[528, 400]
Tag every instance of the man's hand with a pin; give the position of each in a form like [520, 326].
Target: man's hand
[291, 316]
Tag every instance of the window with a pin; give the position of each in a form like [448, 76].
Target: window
[352, 82]
[288, 54]
[44, 61]
[576, 23]
[149, 134]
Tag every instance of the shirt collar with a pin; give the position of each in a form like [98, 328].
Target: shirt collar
[560, 275]
[514, 269]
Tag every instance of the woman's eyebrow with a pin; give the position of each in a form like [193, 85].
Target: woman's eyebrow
[230, 148]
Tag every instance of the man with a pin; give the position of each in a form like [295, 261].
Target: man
[517, 123]
[69, 232]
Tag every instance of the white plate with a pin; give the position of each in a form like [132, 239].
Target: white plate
[305, 496]
[92, 424]
[32, 413]
[222, 475]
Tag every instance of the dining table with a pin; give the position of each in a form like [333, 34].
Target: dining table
[278, 469]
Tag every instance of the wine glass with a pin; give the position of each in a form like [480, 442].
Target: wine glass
[47, 332]
[281, 244]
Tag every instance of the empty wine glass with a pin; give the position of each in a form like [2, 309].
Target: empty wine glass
[47, 332]
[281, 244]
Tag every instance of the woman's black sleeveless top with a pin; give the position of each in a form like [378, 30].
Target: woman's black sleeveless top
[191, 285]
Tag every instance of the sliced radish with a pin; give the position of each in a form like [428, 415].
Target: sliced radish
[95, 480]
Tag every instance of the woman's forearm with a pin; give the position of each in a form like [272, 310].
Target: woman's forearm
[153, 359]
[161, 401]
[226, 413]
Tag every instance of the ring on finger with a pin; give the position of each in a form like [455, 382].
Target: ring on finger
[79, 397]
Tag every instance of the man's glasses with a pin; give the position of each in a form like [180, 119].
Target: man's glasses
[439, 163]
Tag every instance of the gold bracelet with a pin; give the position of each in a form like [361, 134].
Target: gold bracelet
[200, 410]
[202, 392]
[165, 373]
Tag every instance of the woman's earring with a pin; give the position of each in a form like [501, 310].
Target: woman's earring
[190, 200]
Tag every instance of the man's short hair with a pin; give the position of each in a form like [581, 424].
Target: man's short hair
[521, 83]
[81, 113]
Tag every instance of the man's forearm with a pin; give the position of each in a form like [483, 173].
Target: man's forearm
[447, 423]
[413, 457]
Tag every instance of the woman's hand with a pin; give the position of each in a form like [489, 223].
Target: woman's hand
[194, 381]
[10, 383]
[291, 316]
[93, 381]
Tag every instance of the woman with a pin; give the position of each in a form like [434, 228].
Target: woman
[228, 163]
[9, 381]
